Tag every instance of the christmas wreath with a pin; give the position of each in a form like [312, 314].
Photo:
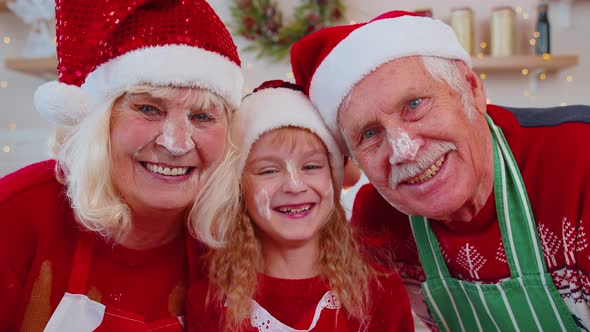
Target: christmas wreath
[262, 22]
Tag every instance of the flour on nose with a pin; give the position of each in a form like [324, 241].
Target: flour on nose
[177, 138]
[402, 146]
[295, 181]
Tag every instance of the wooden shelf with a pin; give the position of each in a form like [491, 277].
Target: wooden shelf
[46, 67]
[516, 63]
[43, 67]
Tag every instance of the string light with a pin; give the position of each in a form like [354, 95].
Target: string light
[546, 56]
[3, 84]
[483, 45]
[569, 78]
[6, 148]
[483, 76]
[542, 76]
[525, 71]
[536, 34]
[480, 55]
[518, 10]
[533, 41]
[526, 93]
[6, 40]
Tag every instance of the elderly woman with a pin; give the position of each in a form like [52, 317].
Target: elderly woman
[95, 241]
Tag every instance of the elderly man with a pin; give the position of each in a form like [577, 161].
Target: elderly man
[497, 200]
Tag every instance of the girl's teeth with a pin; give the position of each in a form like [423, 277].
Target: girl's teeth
[295, 211]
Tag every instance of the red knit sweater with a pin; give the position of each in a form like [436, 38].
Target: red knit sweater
[293, 302]
[555, 165]
[36, 249]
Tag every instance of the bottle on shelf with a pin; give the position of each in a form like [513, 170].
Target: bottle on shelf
[542, 32]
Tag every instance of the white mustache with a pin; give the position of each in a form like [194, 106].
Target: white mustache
[425, 159]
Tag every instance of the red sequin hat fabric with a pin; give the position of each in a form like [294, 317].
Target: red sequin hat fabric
[105, 47]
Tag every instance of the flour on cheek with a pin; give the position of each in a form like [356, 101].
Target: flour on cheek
[262, 199]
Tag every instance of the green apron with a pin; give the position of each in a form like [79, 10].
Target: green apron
[528, 301]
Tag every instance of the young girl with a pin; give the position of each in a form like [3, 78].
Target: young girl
[287, 260]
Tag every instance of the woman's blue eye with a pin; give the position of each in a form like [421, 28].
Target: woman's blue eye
[369, 133]
[415, 103]
[202, 117]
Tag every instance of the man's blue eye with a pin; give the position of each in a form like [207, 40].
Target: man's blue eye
[147, 109]
[369, 133]
[415, 103]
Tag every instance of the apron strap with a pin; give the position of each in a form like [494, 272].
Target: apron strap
[81, 263]
[431, 258]
[515, 216]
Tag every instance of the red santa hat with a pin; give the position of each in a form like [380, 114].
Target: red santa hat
[278, 104]
[329, 62]
[106, 47]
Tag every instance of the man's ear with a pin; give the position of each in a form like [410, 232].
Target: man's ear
[475, 86]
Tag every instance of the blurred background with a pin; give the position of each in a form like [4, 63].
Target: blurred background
[507, 39]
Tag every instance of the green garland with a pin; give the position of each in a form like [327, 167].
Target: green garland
[261, 22]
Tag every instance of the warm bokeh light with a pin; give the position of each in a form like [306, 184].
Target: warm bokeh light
[525, 71]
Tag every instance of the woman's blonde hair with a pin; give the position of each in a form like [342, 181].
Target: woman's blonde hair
[84, 164]
[234, 266]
